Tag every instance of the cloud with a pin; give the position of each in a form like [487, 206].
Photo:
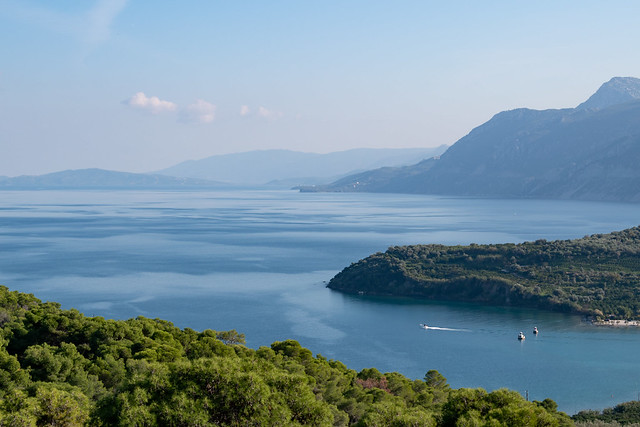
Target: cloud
[200, 111]
[152, 104]
[269, 114]
[91, 26]
[100, 17]
[262, 112]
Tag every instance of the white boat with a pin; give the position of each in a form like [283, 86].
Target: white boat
[521, 336]
[535, 330]
[424, 326]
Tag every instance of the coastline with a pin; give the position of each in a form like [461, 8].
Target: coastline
[615, 323]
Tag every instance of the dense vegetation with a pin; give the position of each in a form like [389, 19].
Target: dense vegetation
[597, 275]
[623, 414]
[58, 367]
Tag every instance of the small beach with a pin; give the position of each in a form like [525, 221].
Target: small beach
[613, 322]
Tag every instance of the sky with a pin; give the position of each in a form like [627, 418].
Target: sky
[141, 85]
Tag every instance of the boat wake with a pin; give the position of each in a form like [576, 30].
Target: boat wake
[437, 328]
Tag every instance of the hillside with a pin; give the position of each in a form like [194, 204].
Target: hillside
[289, 168]
[100, 179]
[597, 275]
[60, 368]
[590, 153]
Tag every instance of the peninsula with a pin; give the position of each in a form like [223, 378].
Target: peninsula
[597, 275]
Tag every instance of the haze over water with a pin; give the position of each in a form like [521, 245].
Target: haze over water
[258, 262]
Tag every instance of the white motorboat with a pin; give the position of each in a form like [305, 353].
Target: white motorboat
[521, 336]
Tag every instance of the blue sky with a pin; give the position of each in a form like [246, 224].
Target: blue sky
[142, 85]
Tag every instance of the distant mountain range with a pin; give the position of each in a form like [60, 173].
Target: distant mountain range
[100, 179]
[591, 152]
[281, 168]
[290, 168]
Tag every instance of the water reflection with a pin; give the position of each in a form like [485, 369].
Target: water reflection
[257, 261]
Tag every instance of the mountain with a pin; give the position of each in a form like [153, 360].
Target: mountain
[288, 168]
[618, 90]
[99, 178]
[590, 152]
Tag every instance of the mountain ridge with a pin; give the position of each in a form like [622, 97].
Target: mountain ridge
[618, 90]
[276, 173]
[94, 178]
[295, 167]
[571, 153]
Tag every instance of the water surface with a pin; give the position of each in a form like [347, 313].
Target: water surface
[258, 262]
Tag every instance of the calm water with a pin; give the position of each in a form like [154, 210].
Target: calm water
[257, 261]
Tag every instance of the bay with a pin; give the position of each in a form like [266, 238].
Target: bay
[258, 261]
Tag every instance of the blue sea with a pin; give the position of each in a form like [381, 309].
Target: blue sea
[258, 261]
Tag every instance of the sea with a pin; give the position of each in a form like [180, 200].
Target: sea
[258, 261]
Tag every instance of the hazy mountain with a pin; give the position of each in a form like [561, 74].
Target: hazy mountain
[618, 90]
[591, 152]
[99, 178]
[294, 168]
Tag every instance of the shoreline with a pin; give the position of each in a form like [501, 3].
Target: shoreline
[615, 323]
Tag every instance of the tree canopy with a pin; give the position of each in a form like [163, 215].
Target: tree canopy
[59, 367]
[597, 275]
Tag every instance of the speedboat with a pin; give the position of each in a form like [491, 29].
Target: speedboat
[424, 326]
[535, 330]
[521, 336]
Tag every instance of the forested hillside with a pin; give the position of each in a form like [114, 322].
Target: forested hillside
[597, 275]
[58, 367]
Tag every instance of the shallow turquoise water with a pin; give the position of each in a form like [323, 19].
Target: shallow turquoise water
[257, 261]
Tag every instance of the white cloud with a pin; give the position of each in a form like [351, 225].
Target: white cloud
[152, 104]
[269, 114]
[262, 112]
[199, 112]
